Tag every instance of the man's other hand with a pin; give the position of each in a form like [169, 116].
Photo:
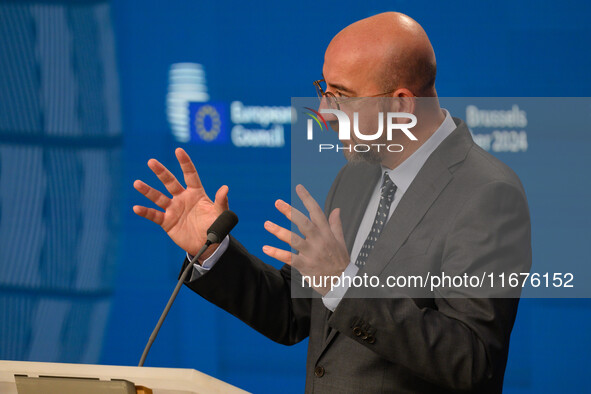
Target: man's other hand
[322, 251]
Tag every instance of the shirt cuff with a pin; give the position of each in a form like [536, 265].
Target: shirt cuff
[209, 262]
[332, 299]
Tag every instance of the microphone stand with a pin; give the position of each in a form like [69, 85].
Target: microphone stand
[170, 301]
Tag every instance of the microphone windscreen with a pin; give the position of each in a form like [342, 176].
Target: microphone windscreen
[222, 227]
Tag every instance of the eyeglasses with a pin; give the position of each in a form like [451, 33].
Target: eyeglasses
[335, 102]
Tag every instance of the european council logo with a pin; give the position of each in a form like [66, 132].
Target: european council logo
[208, 123]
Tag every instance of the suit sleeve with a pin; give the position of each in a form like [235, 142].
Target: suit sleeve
[257, 293]
[460, 343]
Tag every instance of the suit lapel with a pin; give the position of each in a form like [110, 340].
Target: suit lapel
[419, 197]
[422, 193]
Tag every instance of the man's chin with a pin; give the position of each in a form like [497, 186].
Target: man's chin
[366, 157]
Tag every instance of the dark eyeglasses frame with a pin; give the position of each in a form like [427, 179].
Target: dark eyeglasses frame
[334, 101]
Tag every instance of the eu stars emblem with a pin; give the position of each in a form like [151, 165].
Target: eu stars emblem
[208, 123]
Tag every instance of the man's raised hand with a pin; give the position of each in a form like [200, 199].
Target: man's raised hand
[190, 212]
[322, 249]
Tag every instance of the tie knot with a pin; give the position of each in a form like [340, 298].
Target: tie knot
[388, 187]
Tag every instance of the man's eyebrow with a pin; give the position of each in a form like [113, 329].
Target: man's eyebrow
[338, 86]
[342, 88]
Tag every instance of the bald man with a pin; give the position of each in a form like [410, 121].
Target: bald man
[448, 207]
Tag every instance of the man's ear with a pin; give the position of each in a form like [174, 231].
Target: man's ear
[406, 100]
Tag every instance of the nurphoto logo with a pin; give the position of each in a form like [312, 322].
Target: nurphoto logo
[344, 130]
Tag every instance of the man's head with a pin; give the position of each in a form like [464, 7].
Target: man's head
[386, 55]
[378, 54]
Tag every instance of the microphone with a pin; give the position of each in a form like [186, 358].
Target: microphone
[219, 229]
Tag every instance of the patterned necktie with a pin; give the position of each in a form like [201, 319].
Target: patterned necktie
[387, 196]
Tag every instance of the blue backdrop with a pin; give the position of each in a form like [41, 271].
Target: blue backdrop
[119, 57]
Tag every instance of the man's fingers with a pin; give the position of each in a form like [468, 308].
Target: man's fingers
[279, 254]
[189, 172]
[316, 213]
[296, 217]
[152, 194]
[150, 214]
[284, 208]
[221, 198]
[283, 234]
[336, 225]
[168, 180]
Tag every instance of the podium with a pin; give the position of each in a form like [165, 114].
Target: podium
[159, 380]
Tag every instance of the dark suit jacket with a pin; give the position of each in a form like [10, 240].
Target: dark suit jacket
[465, 212]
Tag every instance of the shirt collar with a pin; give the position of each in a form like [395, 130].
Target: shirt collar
[405, 173]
